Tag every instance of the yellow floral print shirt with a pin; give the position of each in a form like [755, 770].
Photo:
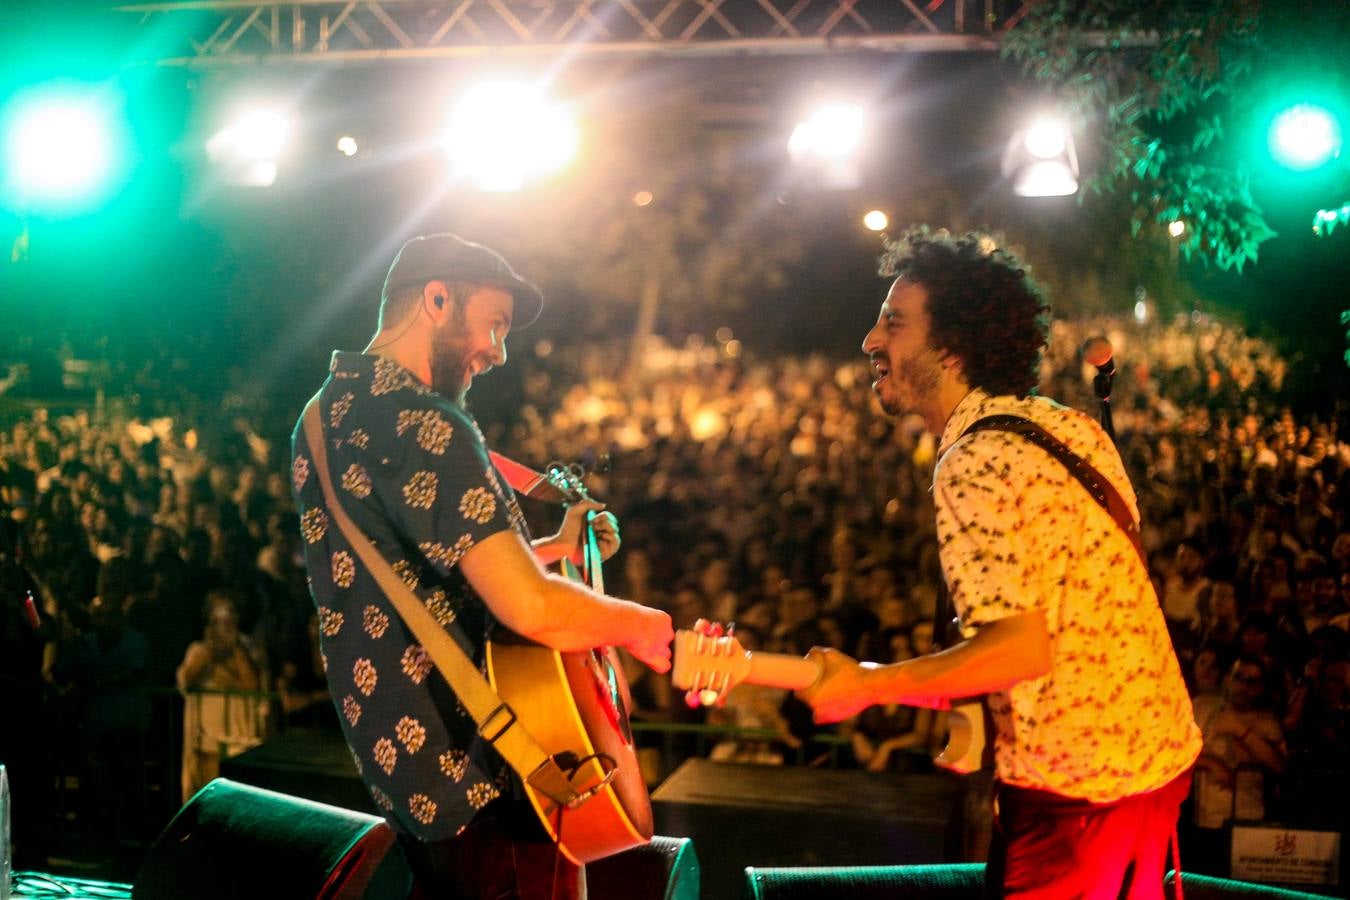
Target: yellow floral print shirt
[1017, 532]
[412, 472]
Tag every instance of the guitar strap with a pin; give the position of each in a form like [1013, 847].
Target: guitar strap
[496, 720]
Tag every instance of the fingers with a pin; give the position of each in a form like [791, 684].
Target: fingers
[655, 658]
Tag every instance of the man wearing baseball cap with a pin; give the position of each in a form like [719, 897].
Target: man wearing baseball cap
[409, 466]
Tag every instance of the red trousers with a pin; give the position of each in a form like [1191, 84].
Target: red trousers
[1050, 847]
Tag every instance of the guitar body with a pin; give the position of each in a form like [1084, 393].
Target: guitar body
[578, 703]
[968, 729]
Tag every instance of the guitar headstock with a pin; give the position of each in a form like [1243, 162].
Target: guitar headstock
[569, 480]
[708, 663]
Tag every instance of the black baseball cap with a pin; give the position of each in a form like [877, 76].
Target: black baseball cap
[448, 257]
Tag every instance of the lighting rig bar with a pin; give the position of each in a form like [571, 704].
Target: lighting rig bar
[233, 32]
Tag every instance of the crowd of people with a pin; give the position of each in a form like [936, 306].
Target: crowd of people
[769, 492]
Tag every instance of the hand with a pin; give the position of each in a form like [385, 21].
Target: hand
[570, 536]
[697, 699]
[841, 690]
[880, 759]
[651, 642]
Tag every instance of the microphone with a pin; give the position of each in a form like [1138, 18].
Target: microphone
[30, 611]
[1096, 351]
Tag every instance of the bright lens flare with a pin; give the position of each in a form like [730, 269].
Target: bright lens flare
[503, 135]
[876, 220]
[347, 145]
[1304, 137]
[1176, 228]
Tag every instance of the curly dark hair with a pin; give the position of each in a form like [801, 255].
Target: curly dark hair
[982, 304]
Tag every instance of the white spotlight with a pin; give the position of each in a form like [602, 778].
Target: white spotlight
[1046, 138]
[831, 133]
[249, 148]
[502, 135]
[347, 145]
[1176, 228]
[1041, 160]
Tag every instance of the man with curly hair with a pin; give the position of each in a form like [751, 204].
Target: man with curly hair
[1094, 738]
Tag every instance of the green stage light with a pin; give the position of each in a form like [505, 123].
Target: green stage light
[62, 150]
[1304, 137]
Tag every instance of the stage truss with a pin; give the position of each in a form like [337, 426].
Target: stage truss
[235, 32]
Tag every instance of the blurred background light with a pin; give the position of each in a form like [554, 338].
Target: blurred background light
[503, 135]
[1176, 228]
[347, 145]
[876, 220]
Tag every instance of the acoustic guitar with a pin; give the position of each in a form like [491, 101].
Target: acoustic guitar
[575, 705]
[712, 665]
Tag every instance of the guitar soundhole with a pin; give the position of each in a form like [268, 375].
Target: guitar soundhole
[611, 697]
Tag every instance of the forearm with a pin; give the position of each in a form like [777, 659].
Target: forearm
[548, 550]
[1002, 654]
[567, 615]
[1267, 753]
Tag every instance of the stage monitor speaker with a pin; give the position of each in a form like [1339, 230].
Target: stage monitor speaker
[664, 869]
[745, 815]
[234, 840]
[958, 881]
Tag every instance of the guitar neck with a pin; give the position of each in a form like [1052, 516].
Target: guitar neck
[780, 670]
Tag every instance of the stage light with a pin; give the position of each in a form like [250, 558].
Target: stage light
[347, 145]
[831, 133]
[1041, 161]
[1304, 137]
[876, 220]
[1047, 178]
[1176, 228]
[502, 135]
[249, 149]
[62, 150]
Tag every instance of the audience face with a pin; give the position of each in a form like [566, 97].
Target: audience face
[1246, 684]
[1206, 674]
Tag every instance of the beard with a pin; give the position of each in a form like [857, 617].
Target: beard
[450, 368]
[914, 382]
